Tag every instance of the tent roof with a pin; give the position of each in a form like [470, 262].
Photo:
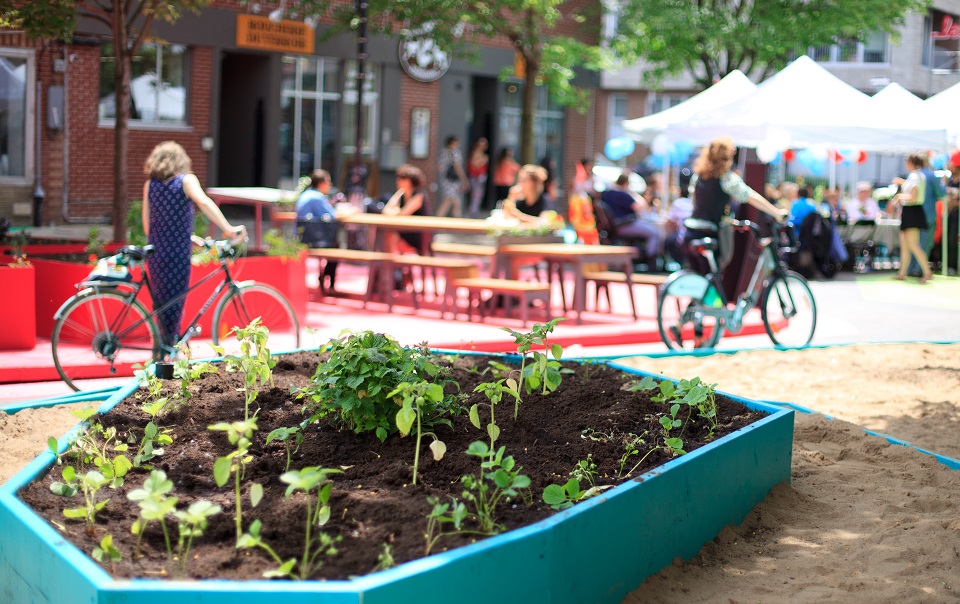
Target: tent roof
[805, 105]
[735, 85]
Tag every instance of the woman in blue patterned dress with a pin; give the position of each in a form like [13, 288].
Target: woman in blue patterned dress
[168, 223]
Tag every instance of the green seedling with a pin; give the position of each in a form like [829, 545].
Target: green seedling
[286, 435]
[106, 551]
[541, 373]
[90, 484]
[385, 558]
[693, 394]
[494, 391]
[190, 525]
[254, 361]
[560, 497]
[315, 483]
[70, 485]
[441, 515]
[252, 539]
[188, 372]
[419, 398]
[631, 447]
[586, 470]
[151, 444]
[499, 478]
[240, 435]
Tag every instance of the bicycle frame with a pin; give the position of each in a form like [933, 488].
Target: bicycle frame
[136, 286]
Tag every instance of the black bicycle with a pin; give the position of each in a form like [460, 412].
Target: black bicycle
[104, 326]
[694, 311]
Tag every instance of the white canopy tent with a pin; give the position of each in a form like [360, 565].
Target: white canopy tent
[804, 105]
[943, 106]
[732, 87]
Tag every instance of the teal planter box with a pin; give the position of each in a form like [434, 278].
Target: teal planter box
[596, 551]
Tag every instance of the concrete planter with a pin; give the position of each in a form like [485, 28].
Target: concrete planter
[596, 551]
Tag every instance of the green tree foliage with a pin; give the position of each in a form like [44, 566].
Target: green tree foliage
[128, 20]
[711, 38]
[541, 31]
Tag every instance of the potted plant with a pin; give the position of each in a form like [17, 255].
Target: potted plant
[17, 278]
[260, 476]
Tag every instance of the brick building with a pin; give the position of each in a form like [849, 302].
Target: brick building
[256, 101]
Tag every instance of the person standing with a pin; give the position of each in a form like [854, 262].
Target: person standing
[580, 204]
[453, 179]
[505, 173]
[912, 218]
[933, 193]
[477, 164]
[168, 223]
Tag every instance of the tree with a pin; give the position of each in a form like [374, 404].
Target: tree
[711, 38]
[533, 27]
[129, 22]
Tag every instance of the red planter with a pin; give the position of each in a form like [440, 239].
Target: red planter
[56, 282]
[17, 311]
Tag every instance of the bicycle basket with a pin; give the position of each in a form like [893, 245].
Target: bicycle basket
[112, 268]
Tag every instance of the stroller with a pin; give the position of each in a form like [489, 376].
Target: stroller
[818, 247]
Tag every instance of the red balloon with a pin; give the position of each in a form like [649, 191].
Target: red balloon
[955, 157]
[789, 155]
[835, 156]
[862, 157]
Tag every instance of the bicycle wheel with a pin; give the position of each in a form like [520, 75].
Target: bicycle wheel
[97, 334]
[241, 306]
[684, 320]
[789, 311]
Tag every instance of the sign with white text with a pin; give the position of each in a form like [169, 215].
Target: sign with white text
[286, 36]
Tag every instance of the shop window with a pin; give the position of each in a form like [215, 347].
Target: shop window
[371, 102]
[617, 112]
[158, 85]
[16, 121]
[548, 124]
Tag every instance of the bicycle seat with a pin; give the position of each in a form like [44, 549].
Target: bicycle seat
[706, 243]
[136, 253]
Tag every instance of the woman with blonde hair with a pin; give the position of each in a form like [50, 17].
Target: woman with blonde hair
[712, 187]
[527, 199]
[168, 222]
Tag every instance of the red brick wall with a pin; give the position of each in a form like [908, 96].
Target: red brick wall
[420, 94]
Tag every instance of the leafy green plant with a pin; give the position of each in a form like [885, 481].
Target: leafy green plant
[541, 372]
[440, 516]
[279, 245]
[385, 559]
[315, 483]
[254, 361]
[560, 497]
[95, 246]
[89, 484]
[286, 435]
[190, 524]
[93, 445]
[240, 435]
[693, 394]
[106, 551]
[18, 242]
[586, 470]
[355, 383]
[631, 447]
[151, 444]
[187, 371]
[494, 392]
[499, 478]
[419, 398]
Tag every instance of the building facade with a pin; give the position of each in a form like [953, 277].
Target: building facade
[257, 98]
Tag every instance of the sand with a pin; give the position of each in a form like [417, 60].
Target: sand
[861, 520]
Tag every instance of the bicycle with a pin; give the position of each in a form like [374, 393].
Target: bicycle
[105, 324]
[693, 310]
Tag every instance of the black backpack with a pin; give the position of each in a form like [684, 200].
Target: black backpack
[816, 236]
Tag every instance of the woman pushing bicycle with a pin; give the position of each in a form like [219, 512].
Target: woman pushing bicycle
[712, 187]
[168, 223]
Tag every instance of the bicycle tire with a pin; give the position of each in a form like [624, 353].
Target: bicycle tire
[681, 316]
[89, 339]
[791, 326]
[246, 302]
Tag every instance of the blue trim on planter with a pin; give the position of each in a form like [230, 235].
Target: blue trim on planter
[668, 512]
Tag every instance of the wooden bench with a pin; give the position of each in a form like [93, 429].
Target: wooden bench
[372, 259]
[603, 278]
[450, 268]
[464, 249]
[525, 291]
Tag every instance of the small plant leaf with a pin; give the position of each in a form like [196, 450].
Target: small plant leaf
[493, 430]
[554, 494]
[256, 494]
[557, 351]
[475, 417]
[405, 418]
[221, 471]
[438, 449]
[53, 445]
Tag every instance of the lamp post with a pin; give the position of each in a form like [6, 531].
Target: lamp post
[358, 172]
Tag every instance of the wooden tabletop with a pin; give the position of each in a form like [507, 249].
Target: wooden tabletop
[250, 194]
[571, 250]
[422, 223]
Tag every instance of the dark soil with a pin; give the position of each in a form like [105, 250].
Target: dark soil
[372, 502]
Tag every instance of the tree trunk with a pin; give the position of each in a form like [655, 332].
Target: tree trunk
[528, 111]
[122, 60]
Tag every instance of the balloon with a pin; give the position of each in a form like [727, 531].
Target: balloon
[955, 157]
[660, 145]
[836, 156]
[679, 153]
[789, 155]
[862, 157]
[940, 161]
[766, 153]
[778, 139]
[820, 152]
[618, 148]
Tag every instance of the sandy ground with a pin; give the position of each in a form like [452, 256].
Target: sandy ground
[861, 520]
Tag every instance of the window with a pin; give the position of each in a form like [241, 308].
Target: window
[158, 89]
[371, 100]
[873, 49]
[16, 115]
[548, 124]
[660, 102]
[309, 103]
[616, 113]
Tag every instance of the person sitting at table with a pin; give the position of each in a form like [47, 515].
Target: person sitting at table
[631, 214]
[801, 207]
[864, 207]
[316, 221]
[410, 199]
[527, 199]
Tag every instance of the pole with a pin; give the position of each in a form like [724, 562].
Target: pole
[358, 173]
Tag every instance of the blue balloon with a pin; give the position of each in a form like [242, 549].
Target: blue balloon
[940, 162]
[618, 148]
[656, 161]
